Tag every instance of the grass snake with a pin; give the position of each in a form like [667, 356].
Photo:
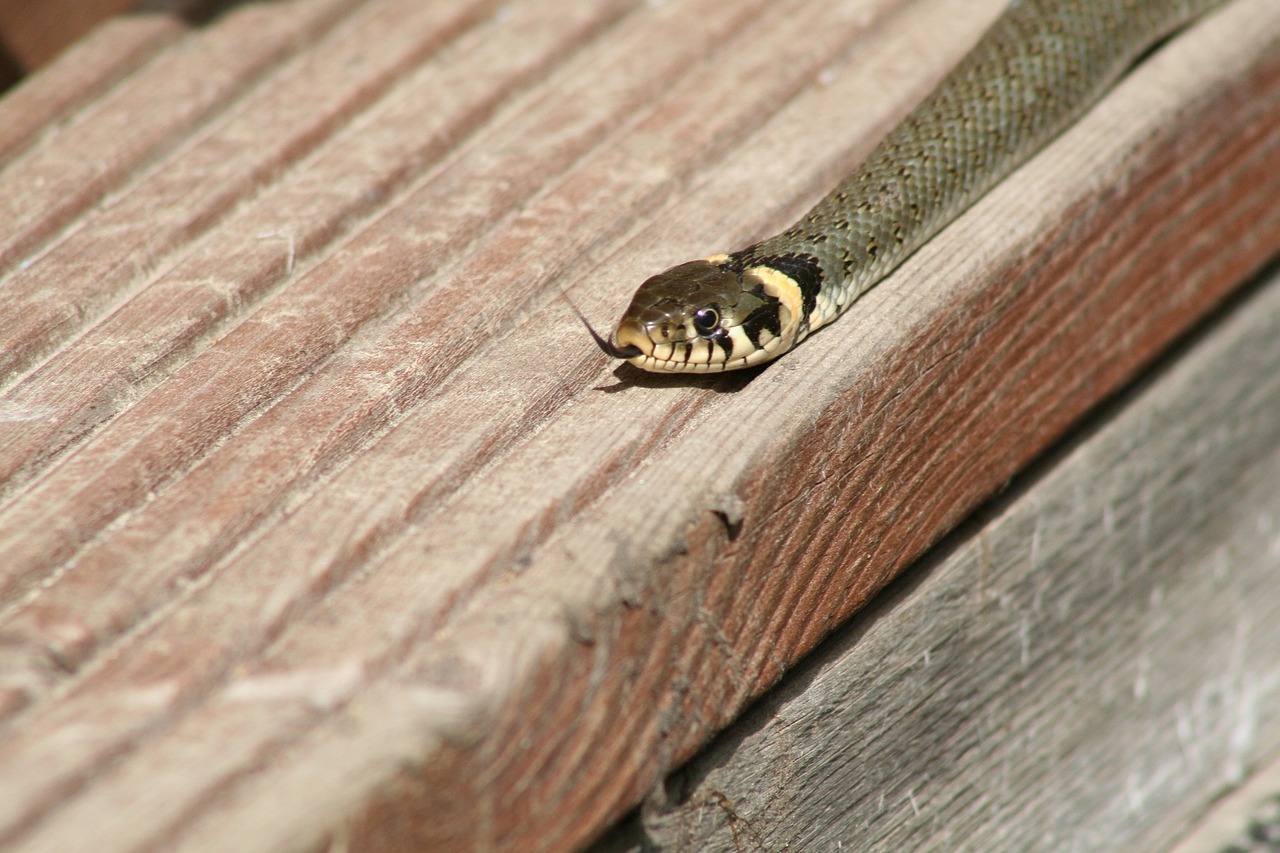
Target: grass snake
[1038, 67]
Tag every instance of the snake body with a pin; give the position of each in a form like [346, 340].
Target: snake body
[1040, 65]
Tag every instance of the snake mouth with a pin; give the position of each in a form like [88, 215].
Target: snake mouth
[639, 349]
[636, 346]
[685, 356]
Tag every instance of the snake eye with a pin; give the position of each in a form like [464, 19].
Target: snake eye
[706, 321]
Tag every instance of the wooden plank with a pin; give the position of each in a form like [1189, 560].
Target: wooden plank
[35, 33]
[197, 186]
[312, 502]
[102, 58]
[1085, 667]
[101, 146]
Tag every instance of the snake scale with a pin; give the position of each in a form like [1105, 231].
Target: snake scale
[1038, 67]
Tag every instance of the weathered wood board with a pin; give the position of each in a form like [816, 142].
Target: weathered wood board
[101, 58]
[1085, 666]
[321, 520]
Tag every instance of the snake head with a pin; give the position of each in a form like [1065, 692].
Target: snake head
[703, 317]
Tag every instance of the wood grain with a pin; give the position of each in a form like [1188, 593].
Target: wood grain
[323, 522]
[115, 48]
[1087, 666]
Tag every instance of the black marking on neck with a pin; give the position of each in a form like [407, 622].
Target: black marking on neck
[806, 272]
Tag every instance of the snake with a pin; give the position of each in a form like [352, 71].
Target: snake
[1040, 65]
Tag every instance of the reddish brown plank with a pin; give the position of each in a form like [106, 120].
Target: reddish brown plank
[334, 288]
[117, 47]
[102, 144]
[175, 203]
